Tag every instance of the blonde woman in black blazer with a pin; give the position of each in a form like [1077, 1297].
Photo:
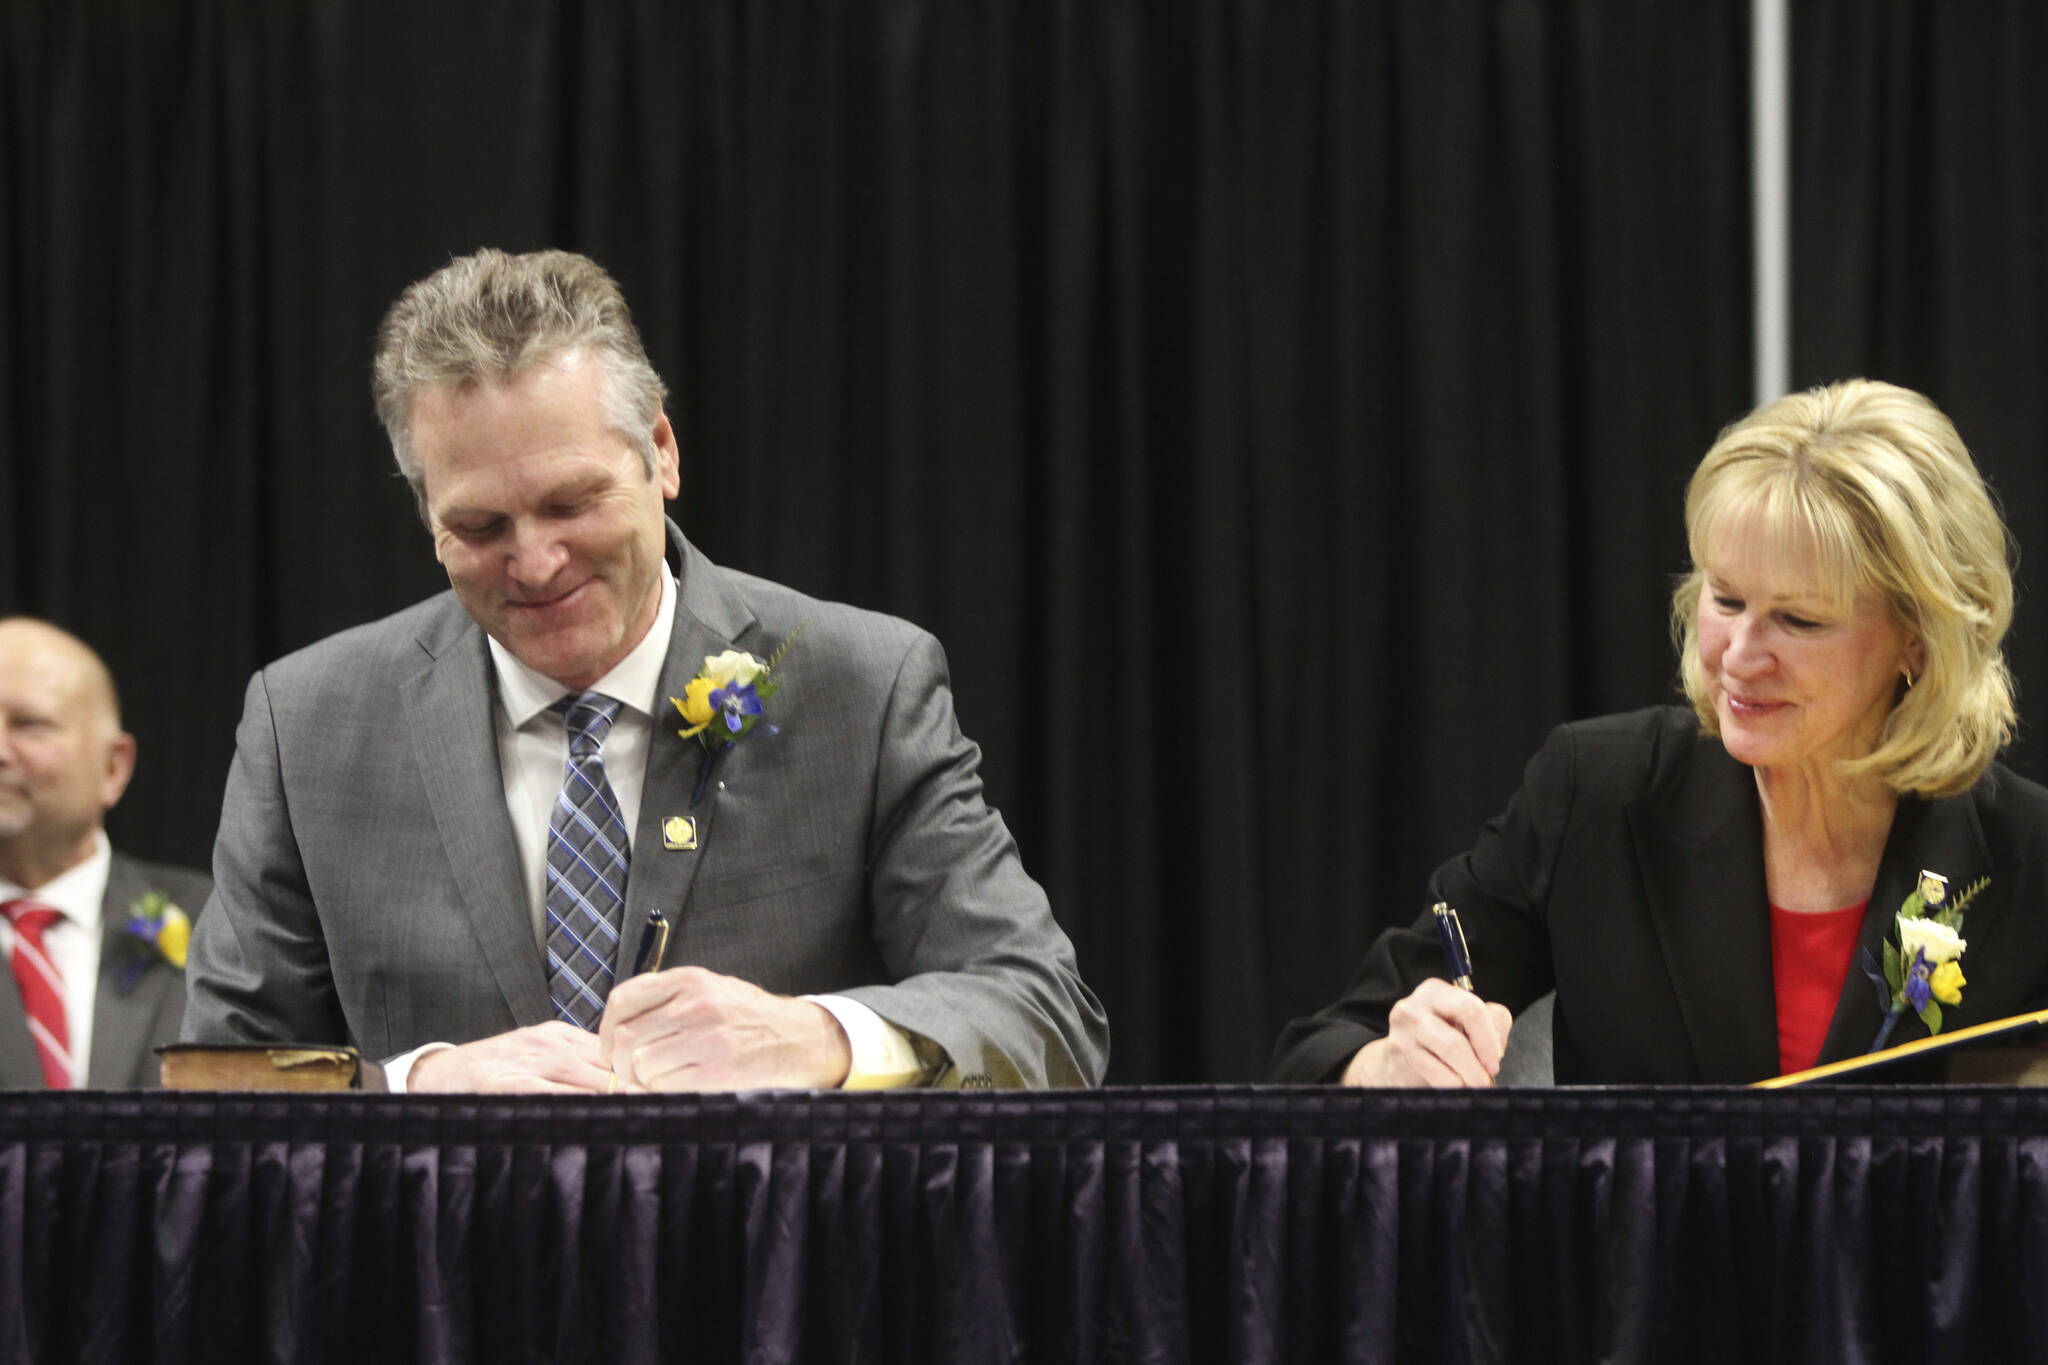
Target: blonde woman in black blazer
[1840, 637]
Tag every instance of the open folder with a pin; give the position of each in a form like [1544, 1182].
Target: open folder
[2009, 1051]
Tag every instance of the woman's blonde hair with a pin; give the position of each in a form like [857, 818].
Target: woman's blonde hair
[1875, 479]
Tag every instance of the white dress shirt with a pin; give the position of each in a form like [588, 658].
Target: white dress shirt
[533, 750]
[73, 942]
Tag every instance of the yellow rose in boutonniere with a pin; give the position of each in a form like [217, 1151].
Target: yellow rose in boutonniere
[1946, 981]
[695, 704]
[175, 937]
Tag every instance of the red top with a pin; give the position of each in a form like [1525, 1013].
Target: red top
[1810, 957]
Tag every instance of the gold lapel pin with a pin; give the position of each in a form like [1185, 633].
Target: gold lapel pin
[679, 833]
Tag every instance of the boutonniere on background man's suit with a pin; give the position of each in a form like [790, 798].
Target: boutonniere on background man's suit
[1923, 971]
[157, 928]
[724, 703]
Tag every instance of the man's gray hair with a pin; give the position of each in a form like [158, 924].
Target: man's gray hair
[492, 316]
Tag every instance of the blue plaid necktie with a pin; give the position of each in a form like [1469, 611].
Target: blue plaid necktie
[587, 856]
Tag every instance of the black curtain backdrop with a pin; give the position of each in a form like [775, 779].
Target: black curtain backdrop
[1920, 245]
[1281, 410]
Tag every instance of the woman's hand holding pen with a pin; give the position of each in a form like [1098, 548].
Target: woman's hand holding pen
[1437, 1035]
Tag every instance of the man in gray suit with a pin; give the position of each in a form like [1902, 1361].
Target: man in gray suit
[448, 835]
[94, 939]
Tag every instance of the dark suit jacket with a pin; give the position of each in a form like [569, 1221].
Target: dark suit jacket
[370, 889]
[1628, 873]
[127, 1026]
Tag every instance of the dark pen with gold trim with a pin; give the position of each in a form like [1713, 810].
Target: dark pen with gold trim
[1452, 935]
[653, 943]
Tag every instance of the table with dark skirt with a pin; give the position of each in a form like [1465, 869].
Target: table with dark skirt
[1186, 1224]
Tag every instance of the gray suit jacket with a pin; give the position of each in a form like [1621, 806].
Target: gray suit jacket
[369, 889]
[127, 1025]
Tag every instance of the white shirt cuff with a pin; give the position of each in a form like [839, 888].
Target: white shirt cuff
[398, 1071]
[884, 1058]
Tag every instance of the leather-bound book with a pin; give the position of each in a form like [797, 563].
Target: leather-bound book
[266, 1066]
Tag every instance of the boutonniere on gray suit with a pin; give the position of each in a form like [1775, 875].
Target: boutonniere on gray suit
[157, 929]
[725, 701]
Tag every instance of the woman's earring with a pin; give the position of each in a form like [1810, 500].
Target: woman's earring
[1909, 678]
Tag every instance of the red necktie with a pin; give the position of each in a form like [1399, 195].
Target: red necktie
[42, 989]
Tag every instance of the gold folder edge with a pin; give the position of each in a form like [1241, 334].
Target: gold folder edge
[1933, 1043]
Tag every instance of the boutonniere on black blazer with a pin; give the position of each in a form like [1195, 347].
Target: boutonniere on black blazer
[156, 928]
[1923, 971]
[724, 703]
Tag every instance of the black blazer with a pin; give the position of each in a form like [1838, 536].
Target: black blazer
[1628, 873]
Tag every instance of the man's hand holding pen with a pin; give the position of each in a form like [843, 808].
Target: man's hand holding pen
[692, 1029]
[683, 1029]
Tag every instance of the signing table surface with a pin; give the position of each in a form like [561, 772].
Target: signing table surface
[1198, 1224]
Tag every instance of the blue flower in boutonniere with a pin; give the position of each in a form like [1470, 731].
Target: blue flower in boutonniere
[156, 928]
[725, 702]
[1923, 970]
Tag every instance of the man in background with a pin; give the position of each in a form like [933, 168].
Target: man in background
[447, 834]
[94, 939]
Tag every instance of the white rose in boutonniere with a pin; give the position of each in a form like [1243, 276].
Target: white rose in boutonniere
[732, 666]
[1931, 938]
